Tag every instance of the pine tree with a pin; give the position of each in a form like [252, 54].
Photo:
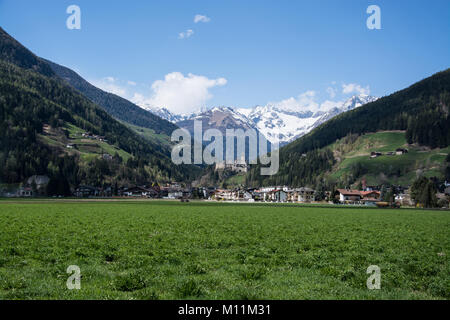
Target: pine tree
[423, 192]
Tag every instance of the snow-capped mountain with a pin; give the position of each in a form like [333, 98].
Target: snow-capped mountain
[279, 125]
[286, 125]
[276, 123]
[164, 113]
[221, 118]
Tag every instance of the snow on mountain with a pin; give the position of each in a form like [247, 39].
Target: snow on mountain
[276, 123]
[221, 118]
[286, 125]
[163, 113]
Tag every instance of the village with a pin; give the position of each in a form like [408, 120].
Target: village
[394, 196]
[363, 195]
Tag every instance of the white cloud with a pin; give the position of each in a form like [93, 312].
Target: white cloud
[201, 18]
[314, 101]
[307, 101]
[131, 83]
[355, 88]
[109, 84]
[332, 92]
[304, 101]
[180, 94]
[328, 105]
[138, 97]
[187, 34]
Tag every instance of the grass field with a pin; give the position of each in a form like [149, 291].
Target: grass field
[150, 135]
[172, 250]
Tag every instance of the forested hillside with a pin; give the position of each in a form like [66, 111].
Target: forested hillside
[422, 111]
[29, 100]
[426, 102]
[32, 98]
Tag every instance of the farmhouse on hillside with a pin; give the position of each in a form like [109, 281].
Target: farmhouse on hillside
[375, 154]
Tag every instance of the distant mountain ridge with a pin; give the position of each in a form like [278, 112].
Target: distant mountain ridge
[116, 106]
[165, 113]
[221, 118]
[274, 122]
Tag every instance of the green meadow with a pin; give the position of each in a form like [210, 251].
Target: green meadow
[392, 169]
[174, 250]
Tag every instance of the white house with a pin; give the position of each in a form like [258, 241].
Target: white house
[25, 192]
[303, 195]
[175, 194]
[277, 195]
[349, 195]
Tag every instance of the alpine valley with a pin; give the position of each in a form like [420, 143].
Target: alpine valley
[56, 124]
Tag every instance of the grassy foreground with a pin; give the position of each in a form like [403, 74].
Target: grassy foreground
[171, 250]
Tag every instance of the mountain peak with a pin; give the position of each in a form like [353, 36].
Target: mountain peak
[277, 124]
[357, 101]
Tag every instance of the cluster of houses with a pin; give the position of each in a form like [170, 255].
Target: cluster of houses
[170, 191]
[238, 166]
[268, 194]
[369, 195]
[302, 195]
[177, 191]
[397, 152]
[35, 186]
[280, 194]
[88, 135]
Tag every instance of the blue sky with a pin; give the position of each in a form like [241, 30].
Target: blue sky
[248, 53]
